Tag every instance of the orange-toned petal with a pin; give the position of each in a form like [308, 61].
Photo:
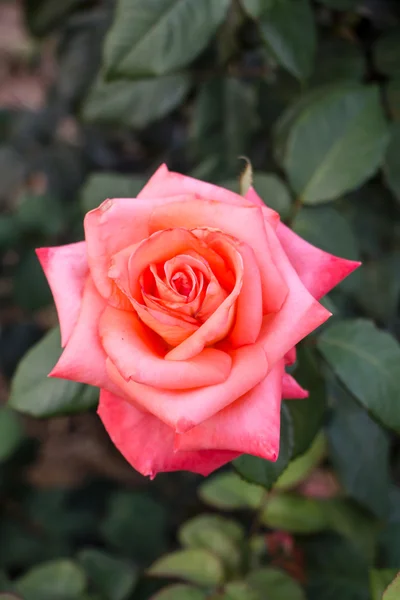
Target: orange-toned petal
[66, 269]
[117, 224]
[138, 356]
[250, 425]
[182, 410]
[220, 322]
[244, 223]
[173, 328]
[147, 443]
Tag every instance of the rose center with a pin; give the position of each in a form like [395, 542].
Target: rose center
[182, 283]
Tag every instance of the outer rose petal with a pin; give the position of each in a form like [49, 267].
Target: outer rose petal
[291, 389]
[183, 409]
[84, 358]
[250, 425]
[66, 270]
[166, 183]
[244, 223]
[138, 355]
[291, 356]
[115, 225]
[254, 198]
[147, 443]
[318, 270]
[299, 315]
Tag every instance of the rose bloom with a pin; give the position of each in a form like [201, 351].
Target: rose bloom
[183, 306]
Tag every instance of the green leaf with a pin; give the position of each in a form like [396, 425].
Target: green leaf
[379, 580]
[10, 433]
[154, 37]
[387, 53]
[33, 393]
[135, 524]
[217, 534]
[134, 103]
[389, 539]
[275, 584]
[194, 565]
[393, 591]
[273, 192]
[366, 360]
[352, 433]
[100, 186]
[288, 29]
[333, 128]
[180, 592]
[393, 98]
[271, 189]
[60, 579]
[239, 590]
[392, 161]
[223, 119]
[299, 469]
[228, 491]
[112, 577]
[307, 416]
[335, 570]
[302, 515]
[264, 472]
[326, 228]
[296, 514]
[375, 276]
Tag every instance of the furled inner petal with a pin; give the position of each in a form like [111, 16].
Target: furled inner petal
[176, 281]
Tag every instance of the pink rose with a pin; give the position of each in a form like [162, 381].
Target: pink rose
[183, 305]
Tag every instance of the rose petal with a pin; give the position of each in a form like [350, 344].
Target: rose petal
[165, 183]
[318, 270]
[269, 214]
[184, 409]
[172, 327]
[247, 294]
[299, 315]
[83, 358]
[291, 356]
[291, 389]
[66, 270]
[115, 225]
[147, 443]
[138, 356]
[244, 223]
[219, 323]
[249, 425]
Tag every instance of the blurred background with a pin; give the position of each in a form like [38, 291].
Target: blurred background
[89, 108]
